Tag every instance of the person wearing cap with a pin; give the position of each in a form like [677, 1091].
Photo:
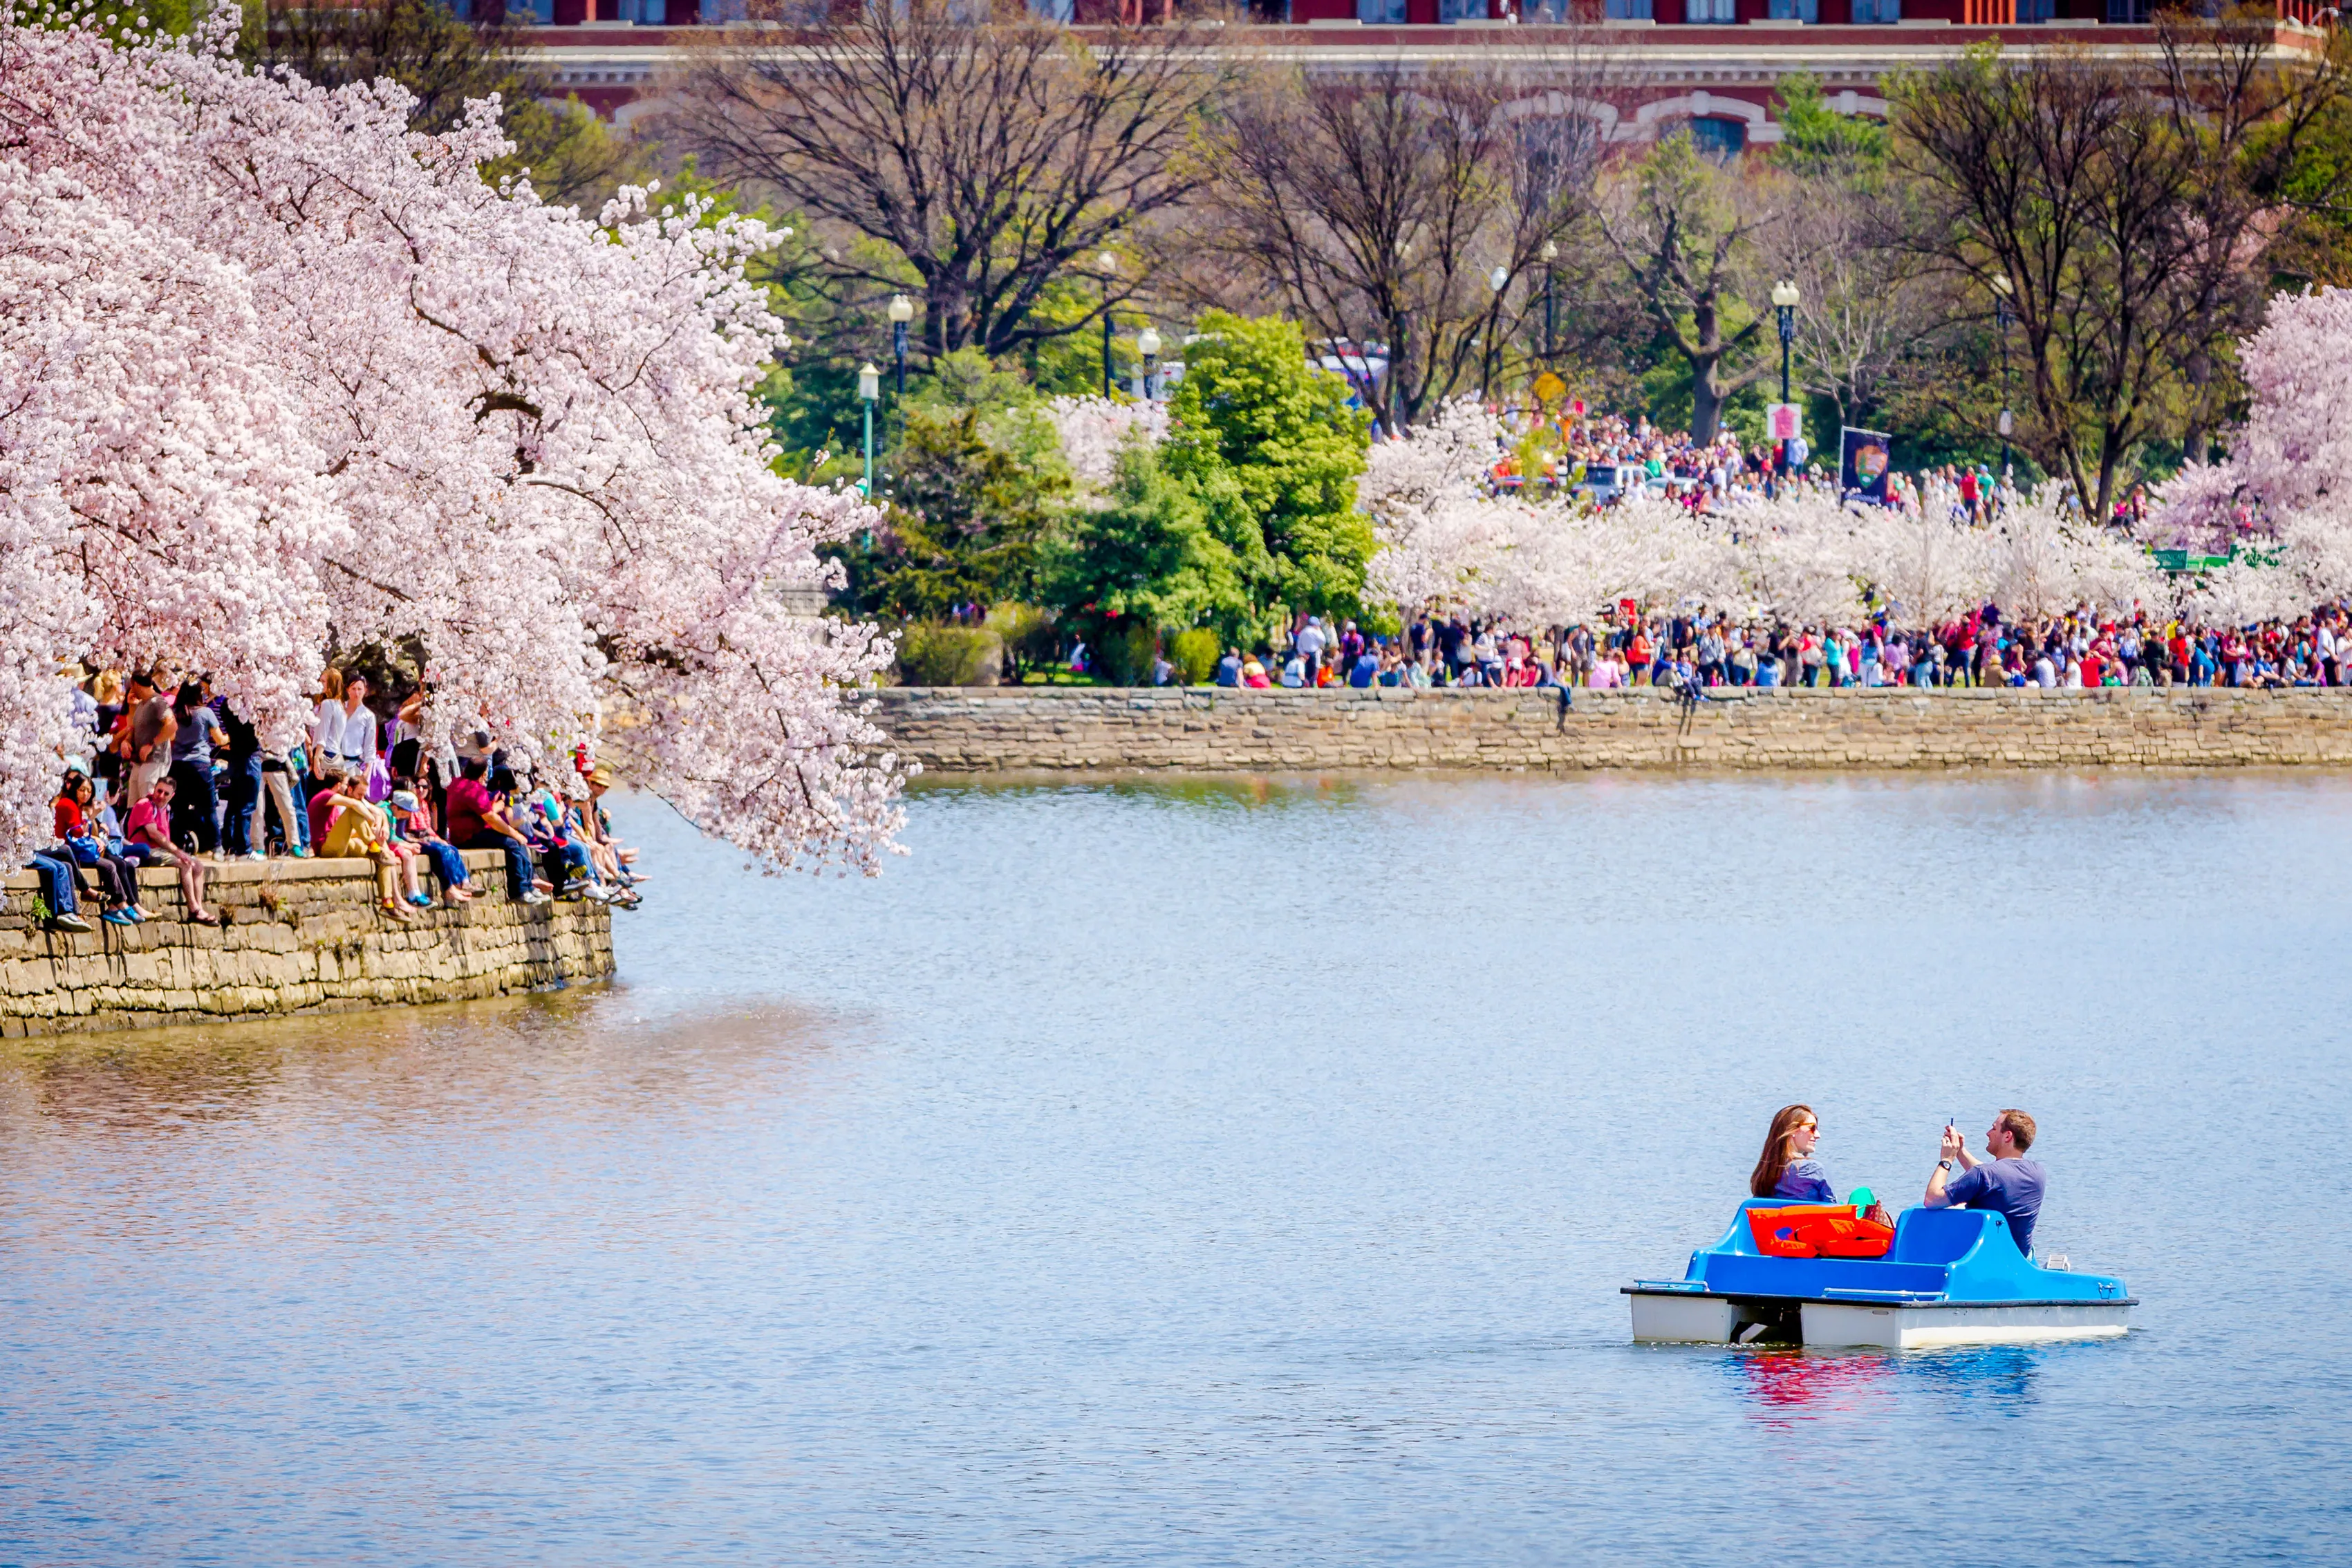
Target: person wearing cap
[413, 825]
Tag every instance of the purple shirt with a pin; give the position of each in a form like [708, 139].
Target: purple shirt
[2011, 1188]
[1805, 1182]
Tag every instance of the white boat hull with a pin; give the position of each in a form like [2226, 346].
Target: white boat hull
[1680, 1319]
[1685, 1319]
[1842, 1323]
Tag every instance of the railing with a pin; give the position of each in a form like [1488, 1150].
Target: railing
[1990, 13]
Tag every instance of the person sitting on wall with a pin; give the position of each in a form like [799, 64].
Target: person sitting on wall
[2009, 1184]
[150, 828]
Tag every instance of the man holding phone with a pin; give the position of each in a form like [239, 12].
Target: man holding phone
[2009, 1184]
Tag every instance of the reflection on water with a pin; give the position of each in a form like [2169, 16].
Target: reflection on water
[1783, 1385]
[1238, 1172]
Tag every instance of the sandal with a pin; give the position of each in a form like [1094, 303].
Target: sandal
[398, 911]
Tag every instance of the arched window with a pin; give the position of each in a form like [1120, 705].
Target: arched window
[1718, 138]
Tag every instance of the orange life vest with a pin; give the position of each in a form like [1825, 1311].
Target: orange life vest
[1818, 1230]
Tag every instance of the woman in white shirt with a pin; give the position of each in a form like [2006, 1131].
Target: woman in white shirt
[327, 722]
[359, 748]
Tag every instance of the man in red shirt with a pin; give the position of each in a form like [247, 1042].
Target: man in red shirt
[476, 822]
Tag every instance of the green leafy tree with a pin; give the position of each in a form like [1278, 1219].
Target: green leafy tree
[1816, 140]
[963, 526]
[1159, 554]
[1254, 421]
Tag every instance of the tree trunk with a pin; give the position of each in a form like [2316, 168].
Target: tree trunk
[1706, 398]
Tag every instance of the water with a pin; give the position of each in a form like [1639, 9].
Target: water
[1226, 1174]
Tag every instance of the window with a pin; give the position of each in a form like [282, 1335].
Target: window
[1882, 12]
[1629, 11]
[1717, 139]
[1376, 12]
[1461, 10]
[2036, 10]
[1796, 10]
[1710, 10]
[1555, 152]
[2132, 12]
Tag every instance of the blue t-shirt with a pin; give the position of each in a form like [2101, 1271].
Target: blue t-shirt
[2010, 1187]
[1805, 1182]
[1367, 669]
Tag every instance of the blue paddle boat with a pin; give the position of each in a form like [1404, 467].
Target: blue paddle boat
[1947, 1276]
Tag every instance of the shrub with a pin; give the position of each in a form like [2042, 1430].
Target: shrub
[1126, 655]
[1030, 639]
[1194, 653]
[949, 656]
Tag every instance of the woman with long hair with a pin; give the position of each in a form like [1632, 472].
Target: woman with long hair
[1786, 1168]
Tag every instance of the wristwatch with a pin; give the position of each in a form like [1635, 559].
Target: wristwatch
[1943, 1165]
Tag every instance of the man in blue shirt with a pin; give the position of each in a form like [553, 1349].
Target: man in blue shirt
[2009, 1184]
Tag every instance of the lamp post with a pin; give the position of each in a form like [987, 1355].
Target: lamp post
[869, 387]
[1110, 268]
[1784, 302]
[902, 310]
[1498, 280]
[1147, 343]
[1550, 254]
[2001, 289]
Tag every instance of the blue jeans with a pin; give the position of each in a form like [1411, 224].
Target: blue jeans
[57, 882]
[565, 861]
[518, 871]
[244, 800]
[195, 809]
[447, 864]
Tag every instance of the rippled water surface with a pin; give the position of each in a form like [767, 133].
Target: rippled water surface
[1226, 1174]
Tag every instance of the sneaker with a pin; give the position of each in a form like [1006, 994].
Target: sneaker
[69, 922]
[420, 900]
[120, 917]
[301, 854]
[536, 897]
[255, 855]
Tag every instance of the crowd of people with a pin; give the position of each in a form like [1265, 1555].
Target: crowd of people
[1575, 443]
[167, 773]
[1696, 650]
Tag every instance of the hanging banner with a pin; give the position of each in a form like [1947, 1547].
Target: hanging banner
[1783, 422]
[1863, 464]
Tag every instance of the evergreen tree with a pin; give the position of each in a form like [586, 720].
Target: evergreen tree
[1153, 556]
[1257, 422]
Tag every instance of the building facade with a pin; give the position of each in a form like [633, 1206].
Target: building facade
[1708, 65]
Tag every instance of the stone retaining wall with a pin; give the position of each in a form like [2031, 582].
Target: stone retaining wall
[304, 936]
[1052, 729]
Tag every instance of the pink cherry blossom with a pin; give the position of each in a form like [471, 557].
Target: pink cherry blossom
[281, 376]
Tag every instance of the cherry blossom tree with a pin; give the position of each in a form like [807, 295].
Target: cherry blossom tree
[2048, 558]
[283, 377]
[1093, 431]
[1928, 565]
[1441, 531]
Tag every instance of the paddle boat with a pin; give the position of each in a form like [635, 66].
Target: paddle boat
[1824, 1274]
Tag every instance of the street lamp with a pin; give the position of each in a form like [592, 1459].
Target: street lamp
[1784, 301]
[1550, 254]
[869, 387]
[2001, 289]
[902, 310]
[1147, 343]
[1498, 280]
[1110, 270]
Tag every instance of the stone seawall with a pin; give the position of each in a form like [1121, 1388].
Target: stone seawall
[304, 936]
[1052, 729]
